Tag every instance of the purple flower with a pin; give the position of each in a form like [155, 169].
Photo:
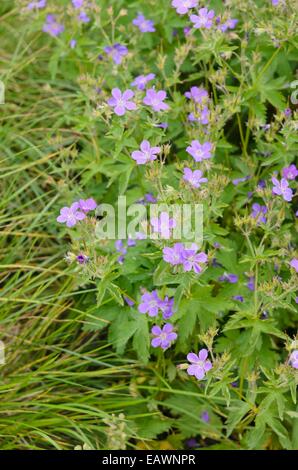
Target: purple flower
[83, 17]
[163, 224]
[116, 52]
[290, 172]
[200, 116]
[77, 3]
[251, 283]
[192, 260]
[120, 247]
[191, 443]
[164, 336]
[186, 30]
[199, 364]
[72, 43]
[288, 112]
[200, 151]
[231, 278]
[275, 2]
[229, 24]
[194, 177]
[150, 198]
[281, 188]
[144, 25]
[204, 20]
[121, 101]
[150, 303]
[52, 27]
[146, 154]
[258, 212]
[294, 359]
[141, 81]
[173, 255]
[197, 94]
[182, 6]
[236, 181]
[205, 417]
[38, 4]
[239, 298]
[162, 125]
[167, 307]
[155, 99]
[87, 205]
[70, 215]
[82, 259]
[294, 264]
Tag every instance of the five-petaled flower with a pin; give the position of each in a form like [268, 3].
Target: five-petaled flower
[290, 172]
[199, 364]
[71, 215]
[146, 154]
[87, 205]
[197, 94]
[163, 336]
[281, 188]
[200, 151]
[144, 25]
[204, 19]
[155, 99]
[121, 101]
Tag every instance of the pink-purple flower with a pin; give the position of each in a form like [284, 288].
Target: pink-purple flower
[200, 115]
[52, 27]
[199, 364]
[173, 255]
[188, 258]
[141, 81]
[200, 151]
[146, 153]
[204, 19]
[122, 101]
[150, 303]
[155, 99]
[163, 224]
[71, 215]
[197, 94]
[37, 5]
[182, 6]
[290, 172]
[294, 359]
[258, 212]
[194, 178]
[163, 336]
[144, 25]
[281, 188]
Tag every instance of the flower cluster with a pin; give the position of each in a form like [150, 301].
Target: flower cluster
[76, 212]
[188, 258]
